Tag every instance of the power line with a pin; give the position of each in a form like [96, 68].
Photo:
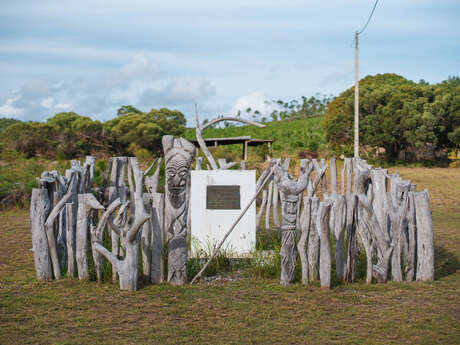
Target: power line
[369, 19]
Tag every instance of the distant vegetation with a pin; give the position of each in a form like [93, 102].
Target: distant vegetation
[410, 121]
[399, 120]
[69, 135]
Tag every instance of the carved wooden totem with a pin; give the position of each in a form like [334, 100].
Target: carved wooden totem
[290, 192]
[179, 154]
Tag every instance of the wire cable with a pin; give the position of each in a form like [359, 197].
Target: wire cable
[369, 19]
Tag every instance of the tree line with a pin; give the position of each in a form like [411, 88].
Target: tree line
[399, 120]
[402, 119]
[68, 135]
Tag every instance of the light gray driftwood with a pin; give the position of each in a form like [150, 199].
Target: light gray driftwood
[333, 165]
[287, 162]
[380, 188]
[151, 182]
[313, 242]
[324, 191]
[179, 154]
[338, 222]
[157, 265]
[348, 167]
[126, 267]
[146, 235]
[49, 228]
[199, 163]
[140, 206]
[40, 206]
[70, 238]
[276, 193]
[352, 237]
[265, 173]
[97, 237]
[425, 241]
[410, 240]
[319, 173]
[302, 244]
[117, 189]
[290, 190]
[224, 165]
[86, 203]
[371, 233]
[261, 208]
[269, 202]
[396, 215]
[325, 259]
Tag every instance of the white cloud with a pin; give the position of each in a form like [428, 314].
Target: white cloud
[140, 81]
[47, 102]
[10, 110]
[256, 101]
[180, 91]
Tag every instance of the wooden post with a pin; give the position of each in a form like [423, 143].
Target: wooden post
[333, 170]
[325, 260]
[425, 241]
[245, 150]
[313, 242]
[40, 206]
[261, 208]
[269, 203]
[356, 132]
[157, 274]
[305, 231]
[86, 202]
[352, 238]
[338, 221]
[146, 235]
[290, 191]
[179, 154]
[70, 227]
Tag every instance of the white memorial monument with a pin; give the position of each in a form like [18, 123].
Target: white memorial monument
[217, 198]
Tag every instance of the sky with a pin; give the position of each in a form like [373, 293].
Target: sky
[92, 57]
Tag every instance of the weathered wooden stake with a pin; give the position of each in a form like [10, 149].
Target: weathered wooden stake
[425, 241]
[40, 206]
[325, 259]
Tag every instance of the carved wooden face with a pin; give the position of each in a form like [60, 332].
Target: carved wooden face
[177, 171]
[290, 206]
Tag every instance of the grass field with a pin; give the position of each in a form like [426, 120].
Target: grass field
[246, 311]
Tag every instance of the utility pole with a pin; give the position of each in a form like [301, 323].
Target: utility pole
[356, 97]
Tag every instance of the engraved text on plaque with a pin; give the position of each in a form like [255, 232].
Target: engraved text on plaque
[222, 197]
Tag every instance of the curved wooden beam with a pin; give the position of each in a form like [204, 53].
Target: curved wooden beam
[230, 118]
[200, 129]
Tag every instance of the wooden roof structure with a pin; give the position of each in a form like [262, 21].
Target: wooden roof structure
[245, 140]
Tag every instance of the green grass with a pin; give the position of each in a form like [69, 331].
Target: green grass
[290, 135]
[247, 311]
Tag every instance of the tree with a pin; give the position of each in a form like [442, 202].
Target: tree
[144, 129]
[6, 122]
[75, 135]
[31, 138]
[128, 109]
[396, 114]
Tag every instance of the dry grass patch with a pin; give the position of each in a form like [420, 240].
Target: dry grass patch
[248, 311]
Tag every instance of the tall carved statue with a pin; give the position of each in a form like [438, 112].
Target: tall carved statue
[179, 154]
[291, 191]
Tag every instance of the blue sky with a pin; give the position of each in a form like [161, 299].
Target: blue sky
[91, 57]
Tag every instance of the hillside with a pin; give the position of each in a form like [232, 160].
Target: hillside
[291, 136]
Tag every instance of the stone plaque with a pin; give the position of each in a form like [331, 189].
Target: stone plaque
[223, 197]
